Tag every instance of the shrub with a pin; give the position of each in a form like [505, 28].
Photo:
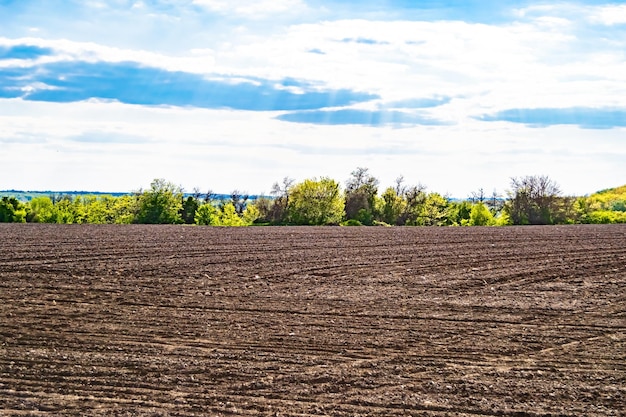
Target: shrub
[352, 222]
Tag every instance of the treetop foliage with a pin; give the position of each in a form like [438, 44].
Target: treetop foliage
[315, 202]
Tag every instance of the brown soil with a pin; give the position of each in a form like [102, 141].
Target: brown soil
[281, 321]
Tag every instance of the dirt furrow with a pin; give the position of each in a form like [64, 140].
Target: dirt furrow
[298, 321]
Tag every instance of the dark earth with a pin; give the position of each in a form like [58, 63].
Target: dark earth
[134, 320]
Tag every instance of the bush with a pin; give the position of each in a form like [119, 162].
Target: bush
[607, 217]
[352, 222]
[379, 223]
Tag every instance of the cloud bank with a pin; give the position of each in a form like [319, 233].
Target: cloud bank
[131, 83]
[586, 118]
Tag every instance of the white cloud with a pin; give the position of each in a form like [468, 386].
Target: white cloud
[252, 8]
[539, 62]
[542, 60]
[608, 15]
[194, 147]
[199, 61]
[540, 9]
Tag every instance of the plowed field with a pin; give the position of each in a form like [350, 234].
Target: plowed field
[282, 321]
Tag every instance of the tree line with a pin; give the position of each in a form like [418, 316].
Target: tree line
[532, 200]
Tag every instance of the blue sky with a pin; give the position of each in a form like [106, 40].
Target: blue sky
[225, 94]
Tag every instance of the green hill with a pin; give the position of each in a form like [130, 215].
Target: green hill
[611, 199]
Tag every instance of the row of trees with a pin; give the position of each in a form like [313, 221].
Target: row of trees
[163, 203]
[323, 202]
[531, 200]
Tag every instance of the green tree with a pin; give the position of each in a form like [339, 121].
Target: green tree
[41, 211]
[360, 196]
[391, 206]
[481, 216]
[607, 217]
[251, 214]
[161, 204]
[12, 210]
[207, 215]
[316, 202]
[188, 210]
[432, 212]
[459, 213]
[502, 219]
[98, 209]
[229, 216]
[69, 210]
[124, 209]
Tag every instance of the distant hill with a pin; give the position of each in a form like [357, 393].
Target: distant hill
[26, 196]
[29, 195]
[613, 199]
[617, 191]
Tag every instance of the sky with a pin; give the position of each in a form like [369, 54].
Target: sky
[227, 95]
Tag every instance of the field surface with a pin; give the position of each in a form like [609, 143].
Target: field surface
[280, 321]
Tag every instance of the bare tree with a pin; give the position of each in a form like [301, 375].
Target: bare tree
[534, 200]
[400, 188]
[478, 196]
[196, 194]
[281, 192]
[361, 191]
[360, 178]
[239, 200]
[209, 196]
[414, 197]
[282, 189]
[495, 202]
